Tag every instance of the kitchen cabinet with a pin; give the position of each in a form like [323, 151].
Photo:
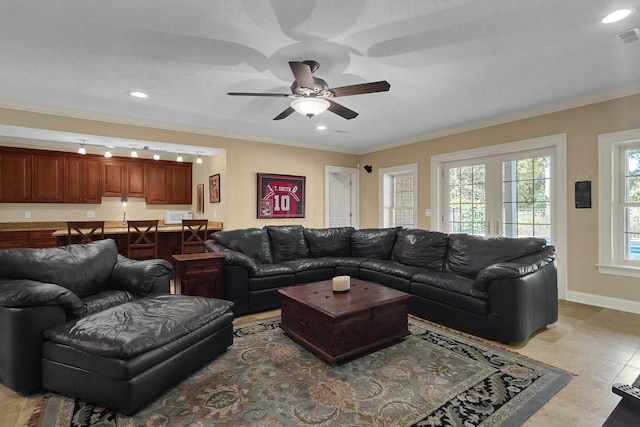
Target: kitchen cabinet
[169, 184]
[123, 178]
[82, 180]
[47, 184]
[15, 177]
[27, 239]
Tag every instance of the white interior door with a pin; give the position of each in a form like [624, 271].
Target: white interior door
[341, 196]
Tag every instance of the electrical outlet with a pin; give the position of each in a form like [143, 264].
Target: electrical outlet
[27, 214]
[91, 214]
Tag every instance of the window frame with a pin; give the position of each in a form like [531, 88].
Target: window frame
[384, 176]
[612, 202]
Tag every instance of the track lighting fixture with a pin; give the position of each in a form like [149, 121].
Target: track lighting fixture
[134, 153]
[82, 150]
[199, 160]
[107, 153]
[179, 158]
[156, 156]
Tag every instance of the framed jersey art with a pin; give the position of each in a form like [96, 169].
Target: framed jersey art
[280, 196]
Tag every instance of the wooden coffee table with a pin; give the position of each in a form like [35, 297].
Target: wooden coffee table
[342, 326]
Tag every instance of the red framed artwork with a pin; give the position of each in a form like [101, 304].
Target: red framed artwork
[280, 196]
[214, 188]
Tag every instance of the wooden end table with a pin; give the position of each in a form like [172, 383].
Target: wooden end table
[342, 326]
[199, 274]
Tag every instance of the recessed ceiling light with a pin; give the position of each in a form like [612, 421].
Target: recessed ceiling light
[616, 15]
[321, 127]
[138, 94]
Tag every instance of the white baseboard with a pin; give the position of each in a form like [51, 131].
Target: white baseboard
[605, 302]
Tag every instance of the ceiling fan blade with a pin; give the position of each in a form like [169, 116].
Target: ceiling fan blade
[381, 86]
[258, 94]
[341, 110]
[302, 73]
[286, 113]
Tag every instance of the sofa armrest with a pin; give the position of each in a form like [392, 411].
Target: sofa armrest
[19, 293]
[233, 258]
[141, 277]
[514, 269]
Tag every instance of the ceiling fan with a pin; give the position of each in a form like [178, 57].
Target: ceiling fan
[312, 95]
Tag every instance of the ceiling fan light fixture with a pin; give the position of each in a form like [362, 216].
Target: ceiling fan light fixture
[310, 106]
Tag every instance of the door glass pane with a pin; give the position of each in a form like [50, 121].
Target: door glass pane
[526, 197]
[467, 199]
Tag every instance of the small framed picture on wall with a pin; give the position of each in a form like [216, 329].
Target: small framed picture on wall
[200, 198]
[214, 188]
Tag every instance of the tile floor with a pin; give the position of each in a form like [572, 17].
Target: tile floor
[599, 346]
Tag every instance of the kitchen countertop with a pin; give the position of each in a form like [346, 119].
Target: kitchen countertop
[110, 227]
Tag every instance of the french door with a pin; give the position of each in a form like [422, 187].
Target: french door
[504, 195]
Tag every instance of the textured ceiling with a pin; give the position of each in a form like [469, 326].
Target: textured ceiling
[449, 62]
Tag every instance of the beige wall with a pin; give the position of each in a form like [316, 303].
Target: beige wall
[241, 160]
[237, 165]
[582, 126]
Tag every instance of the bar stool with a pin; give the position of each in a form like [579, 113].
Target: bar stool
[86, 230]
[194, 233]
[142, 239]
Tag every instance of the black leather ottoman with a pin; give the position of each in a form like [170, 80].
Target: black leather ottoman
[125, 356]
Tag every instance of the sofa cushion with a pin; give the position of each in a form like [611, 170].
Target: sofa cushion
[253, 242]
[469, 254]
[83, 269]
[450, 281]
[335, 241]
[374, 243]
[421, 248]
[103, 300]
[287, 242]
[390, 267]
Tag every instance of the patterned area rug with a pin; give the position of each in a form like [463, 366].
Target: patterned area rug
[434, 377]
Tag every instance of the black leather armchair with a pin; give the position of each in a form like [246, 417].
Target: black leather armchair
[40, 288]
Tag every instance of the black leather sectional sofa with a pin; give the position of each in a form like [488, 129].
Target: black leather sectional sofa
[499, 288]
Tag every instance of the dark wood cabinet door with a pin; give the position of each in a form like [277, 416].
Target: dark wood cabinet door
[181, 191]
[82, 180]
[135, 178]
[73, 180]
[92, 188]
[15, 177]
[113, 179]
[47, 185]
[157, 184]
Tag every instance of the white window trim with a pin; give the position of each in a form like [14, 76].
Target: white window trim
[404, 169]
[609, 148]
[558, 173]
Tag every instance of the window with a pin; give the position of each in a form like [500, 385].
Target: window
[506, 195]
[399, 196]
[619, 203]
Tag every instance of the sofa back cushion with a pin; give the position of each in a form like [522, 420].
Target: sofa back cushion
[421, 248]
[253, 242]
[83, 269]
[333, 242]
[469, 254]
[373, 242]
[287, 242]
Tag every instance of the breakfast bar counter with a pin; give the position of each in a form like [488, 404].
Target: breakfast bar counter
[55, 233]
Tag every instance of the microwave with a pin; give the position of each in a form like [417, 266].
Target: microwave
[176, 217]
